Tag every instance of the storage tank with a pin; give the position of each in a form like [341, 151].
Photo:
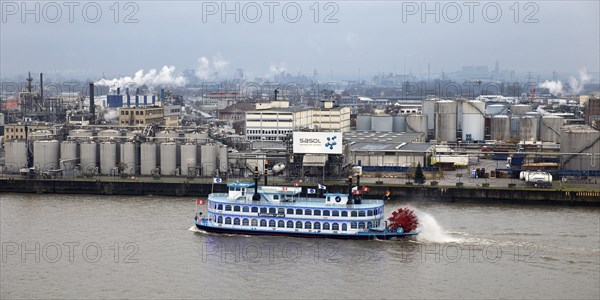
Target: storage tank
[147, 158]
[528, 128]
[496, 109]
[168, 159]
[108, 134]
[68, 158]
[515, 122]
[363, 123]
[208, 159]
[128, 158]
[108, 158]
[132, 135]
[445, 121]
[41, 135]
[223, 160]
[80, 133]
[382, 123]
[500, 128]
[88, 157]
[520, 109]
[400, 123]
[167, 136]
[188, 159]
[45, 155]
[196, 137]
[429, 111]
[550, 128]
[15, 156]
[473, 117]
[580, 139]
[416, 123]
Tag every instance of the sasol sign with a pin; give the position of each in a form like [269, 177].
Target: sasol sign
[318, 142]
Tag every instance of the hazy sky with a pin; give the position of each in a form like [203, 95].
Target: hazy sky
[343, 37]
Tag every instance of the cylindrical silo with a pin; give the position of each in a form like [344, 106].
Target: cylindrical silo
[528, 128]
[445, 121]
[15, 156]
[400, 123]
[147, 158]
[68, 158]
[88, 153]
[416, 123]
[581, 139]
[223, 162]
[500, 128]
[168, 159]
[473, 116]
[128, 157]
[429, 111]
[188, 159]
[196, 137]
[496, 109]
[382, 123]
[209, 159]
[515, 122]
[550, 128]
[363, 123]
[520, 109]
[45, 155]
[108, 158]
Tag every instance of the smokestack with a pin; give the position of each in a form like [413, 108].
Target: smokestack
[92, 105]
[350, 196]
[256, 196]
[42, 86]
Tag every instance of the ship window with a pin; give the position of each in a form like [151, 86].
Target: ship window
[220, 207]
[245, 209]
[375, 211]
[353, 213]
[254, 209]
[275, 197]
[299, 224]
[228, 220]
[236, 208]
[263, 223]
[361, 213]
[236, 221]
[254, 222]
[281, 210]
[369, 212]
[344, 213]
[344, 227]
[271, 223]
[220, 220]
[361, 225]
[263, 210]
[272, 210]
[317, 225]
[325, 226]
[290, 211]
[280, 223]
[245, 222]
[290, 224]
[353, 225]
[299, 211]
[370, 225]
[317, 212]
[335, 213]
[307, 225]
[335, 226]
[307, 212]
[326, 213]
[227, 207]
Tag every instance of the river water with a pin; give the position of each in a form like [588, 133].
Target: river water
[80, 246]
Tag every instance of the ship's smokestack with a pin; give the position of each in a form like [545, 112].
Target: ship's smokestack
[92, 105]
[256, 196]
[42, 86]
[350, 199]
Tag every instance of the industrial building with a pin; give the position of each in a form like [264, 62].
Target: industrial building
[375, 150]
[141, 116]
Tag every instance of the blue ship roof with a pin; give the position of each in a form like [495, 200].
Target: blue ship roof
[240, 184]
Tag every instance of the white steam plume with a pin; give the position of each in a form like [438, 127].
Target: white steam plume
[555, 87]
[275, 69]
[166, 76]
[577, 84]
[209, 69]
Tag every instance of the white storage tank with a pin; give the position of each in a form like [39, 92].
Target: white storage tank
[132, 135]
[520, 109]
[550, 128]
[108, 158]
[188, 159]
[15, 156]
[400, 123]
[45, 155]
[515, 122]
[382, 123]
[88, 157]
[223, 160]
[128, 158]
[496, 109]
[168, 159]
[445, 121]
[500, 128]
[68, 158]
[363, 123]
[580, 139]
[208, 159]
[416, 123]
[473, 115]
[41, 135]
[429, 111]
[148, 158]
[528, 128]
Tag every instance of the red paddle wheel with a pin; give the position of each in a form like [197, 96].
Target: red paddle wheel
[403, 217]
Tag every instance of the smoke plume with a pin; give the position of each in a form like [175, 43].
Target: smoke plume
[165, 77]
[209, 69]
[555, 87]
[577, 84]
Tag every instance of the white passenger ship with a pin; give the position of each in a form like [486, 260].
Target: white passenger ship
[274, 210]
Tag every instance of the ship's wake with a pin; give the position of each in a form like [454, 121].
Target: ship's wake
[431, 231]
